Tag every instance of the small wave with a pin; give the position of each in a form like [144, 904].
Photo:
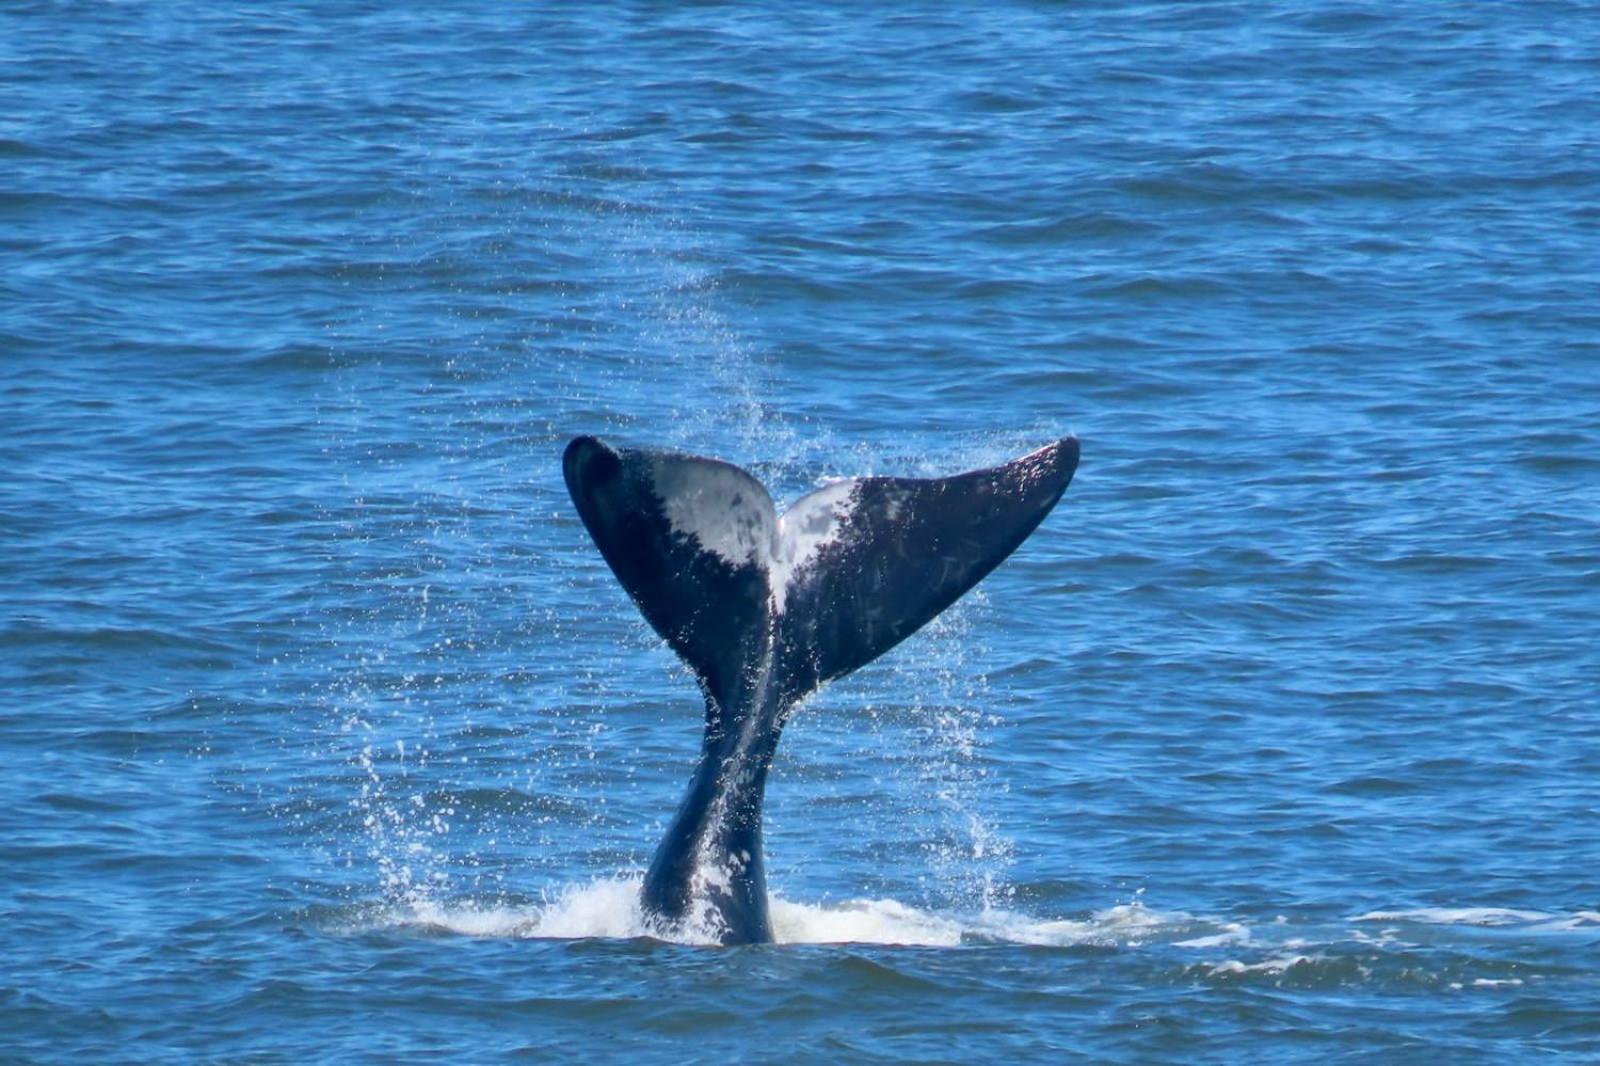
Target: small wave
[1457, 916]
[1499, 918]
[1272, 967]
[1314, 970]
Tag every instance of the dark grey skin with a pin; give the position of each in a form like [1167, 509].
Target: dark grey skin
[765, 609]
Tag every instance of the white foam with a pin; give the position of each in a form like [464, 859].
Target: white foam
[1272, 967]
[606, 908]
[609, 908]
[1233, 935]
[1457, 916]
[887, 921]
[1578, 920]
[862, 921]
[1123, 924]
[483, 921]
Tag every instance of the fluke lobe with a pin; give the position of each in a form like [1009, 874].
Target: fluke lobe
[765, 608]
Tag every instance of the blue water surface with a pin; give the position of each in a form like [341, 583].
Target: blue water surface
[327, 735]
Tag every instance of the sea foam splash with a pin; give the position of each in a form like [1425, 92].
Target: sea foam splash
[609, 908]
[1501, 918]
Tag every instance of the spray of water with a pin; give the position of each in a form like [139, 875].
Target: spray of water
[466, 772]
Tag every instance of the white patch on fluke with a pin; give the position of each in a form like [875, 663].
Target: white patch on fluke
[810, 525]
[726, 512]
[722, 508]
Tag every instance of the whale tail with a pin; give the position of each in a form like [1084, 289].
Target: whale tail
[765, 607]
[842, 576]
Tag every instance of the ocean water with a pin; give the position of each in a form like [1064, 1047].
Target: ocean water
[325, 733]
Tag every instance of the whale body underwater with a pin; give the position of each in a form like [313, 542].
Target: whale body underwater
[765, 608]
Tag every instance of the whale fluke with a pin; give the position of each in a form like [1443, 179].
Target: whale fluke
[765, 607]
